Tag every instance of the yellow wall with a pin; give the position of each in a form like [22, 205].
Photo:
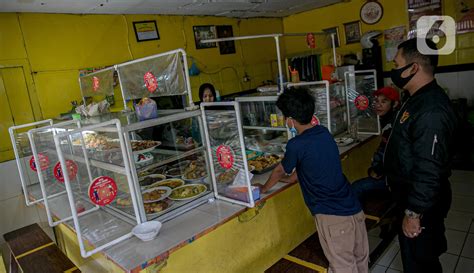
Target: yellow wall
[56, 46]
[395, 14]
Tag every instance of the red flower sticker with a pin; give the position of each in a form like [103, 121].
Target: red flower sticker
[361, 102]
[44, 162]
[102, 190]
[225, 156]
[150, 82]
[315, 120]
[95, 83]
[71, 167]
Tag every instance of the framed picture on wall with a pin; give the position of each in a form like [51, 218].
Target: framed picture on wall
[146, 31]
[332, 30]
[352, 32]
[227, 47]
[204, 33]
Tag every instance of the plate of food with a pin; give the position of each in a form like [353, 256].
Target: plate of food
[123, 202]
[227, 177]
[143, 146]
[264, 163]
[154, 208]
[174, 173]
[187, 192]
[170, 183]
[155, 194]
[143, 158]
[343, 141]
[195, 172]
[148, 180]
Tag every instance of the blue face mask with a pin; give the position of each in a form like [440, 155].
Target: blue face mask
[293, 130]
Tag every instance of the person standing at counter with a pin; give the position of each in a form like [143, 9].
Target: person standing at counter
[314, 155]
[387, 101]
[418, 158]
[207, 93]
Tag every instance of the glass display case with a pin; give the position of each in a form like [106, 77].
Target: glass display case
[330, 104]
[52, 188]
[263, 124]
[360, 86]
[25, 160]
[227, 153]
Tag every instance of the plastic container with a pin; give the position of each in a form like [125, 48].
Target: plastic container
[147, 231]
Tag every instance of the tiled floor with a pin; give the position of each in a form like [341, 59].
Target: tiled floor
[460, 233]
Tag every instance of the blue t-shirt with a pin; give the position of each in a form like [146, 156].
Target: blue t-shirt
[325, 189]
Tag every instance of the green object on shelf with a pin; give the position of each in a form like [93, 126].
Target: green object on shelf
[76, 116]
[257, 154]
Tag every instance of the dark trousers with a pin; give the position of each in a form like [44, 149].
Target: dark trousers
[421, 254]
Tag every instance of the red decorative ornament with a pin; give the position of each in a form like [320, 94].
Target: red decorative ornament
[225, 156]
[150, 82]
[361, 102]
[315, 120]
[44, 162]
[102, 191]
[71, 167]
[95, 83]
[310, 40]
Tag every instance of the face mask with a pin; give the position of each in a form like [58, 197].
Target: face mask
[397, 79]
[293, 130]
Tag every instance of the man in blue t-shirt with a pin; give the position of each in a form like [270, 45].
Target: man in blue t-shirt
[312, 158]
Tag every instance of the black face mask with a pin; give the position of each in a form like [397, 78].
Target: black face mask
[397, 79]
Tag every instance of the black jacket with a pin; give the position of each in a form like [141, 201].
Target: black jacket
[377, 159]
[418, 155]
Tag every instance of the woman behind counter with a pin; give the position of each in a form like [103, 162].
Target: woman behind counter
[207, 93]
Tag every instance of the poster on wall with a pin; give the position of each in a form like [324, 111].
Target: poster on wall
[464, 16]
[146, 31]
[352, 32]
[227, 47]
[204, 33]
[393, 37]
[418, 8]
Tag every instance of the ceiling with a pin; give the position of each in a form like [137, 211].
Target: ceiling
[227, 8]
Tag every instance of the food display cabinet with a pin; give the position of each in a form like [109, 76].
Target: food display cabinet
[52, 188]
[360, 86]
[25, 161]
[227, 153]
[330, 104]
[263, 124]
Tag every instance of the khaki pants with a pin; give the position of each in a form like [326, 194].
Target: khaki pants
[344, 242]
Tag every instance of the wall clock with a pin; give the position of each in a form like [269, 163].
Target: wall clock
[371, 12]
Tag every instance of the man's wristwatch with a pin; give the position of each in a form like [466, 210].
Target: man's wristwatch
[412, 214]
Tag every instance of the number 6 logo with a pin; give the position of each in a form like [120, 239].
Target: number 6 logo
[435, 27]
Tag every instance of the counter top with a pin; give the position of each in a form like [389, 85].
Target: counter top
[133, 254]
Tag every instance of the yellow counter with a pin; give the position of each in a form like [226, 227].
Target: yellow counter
[251, 241]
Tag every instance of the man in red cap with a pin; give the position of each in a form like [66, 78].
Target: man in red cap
[387, 101]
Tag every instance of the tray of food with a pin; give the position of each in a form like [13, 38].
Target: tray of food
[156, 208]
[149, 180]
[227, 177]
[170, 183]
[143, 146]
[187, 192]
[174, 173]
[155, 194]
[194, 172]
[264, 163]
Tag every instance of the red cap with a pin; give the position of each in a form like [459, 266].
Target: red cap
[388, 92]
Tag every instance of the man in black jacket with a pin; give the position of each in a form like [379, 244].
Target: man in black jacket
[418, 159]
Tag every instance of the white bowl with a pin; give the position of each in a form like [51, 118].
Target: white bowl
[147, 231]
